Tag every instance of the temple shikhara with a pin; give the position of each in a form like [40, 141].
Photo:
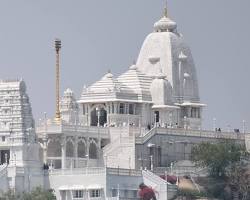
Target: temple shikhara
[121, 131]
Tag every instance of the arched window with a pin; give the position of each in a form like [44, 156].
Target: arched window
[92, 151]
[81, 149]
[69, 149]
[54, 149]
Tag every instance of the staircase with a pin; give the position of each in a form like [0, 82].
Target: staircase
[146, 136]
[163, 190]
[120, 153]
[112, 146]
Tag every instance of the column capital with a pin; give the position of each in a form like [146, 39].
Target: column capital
[63, 140]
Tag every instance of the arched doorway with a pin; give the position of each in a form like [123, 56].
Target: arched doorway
[69, 149]
[92, 151]
[54, 148]
[94, 116]
[81, 149]
[54, 154]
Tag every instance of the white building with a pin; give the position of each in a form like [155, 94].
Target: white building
[147, 117]
[18, 143]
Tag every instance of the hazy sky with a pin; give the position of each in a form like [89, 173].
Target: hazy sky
[108, 34]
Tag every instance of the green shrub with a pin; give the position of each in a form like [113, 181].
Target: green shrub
[191, 194]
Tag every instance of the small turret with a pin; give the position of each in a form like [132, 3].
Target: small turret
[69, 107]
[161, 91]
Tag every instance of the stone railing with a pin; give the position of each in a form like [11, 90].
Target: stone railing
[164, 190]
[124, 172]
[182, 170]
[153, 177]
[159, 184]
[93, 198]
[73, 129]
[124, 119]
[78, 171]
[147, 136]
[188, 132]
[128, 198]
[112, 198]
[95, 171]
[4, 144]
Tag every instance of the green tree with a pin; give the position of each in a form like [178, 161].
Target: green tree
[39, 194]
[238, 180]
[217, 156]
[227, 161]
[9, 195]
[36, 194]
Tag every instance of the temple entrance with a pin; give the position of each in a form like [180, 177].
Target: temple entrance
[4, 156]
[102, 113]
[157, 116]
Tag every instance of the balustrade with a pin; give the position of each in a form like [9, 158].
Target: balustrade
[188, 132]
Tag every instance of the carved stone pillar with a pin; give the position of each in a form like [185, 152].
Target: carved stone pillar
[75, 152]
[115, 106]
[45, 150]
[87, 146]
[89, 115]
[87, 152]
[63, 150]
[189, 112]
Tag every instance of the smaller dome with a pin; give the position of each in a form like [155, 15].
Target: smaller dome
[182, 56]
[133, 67]
[68, 92]
[85, 89]
[160, 75]
[161, 91]
[186, 75]
[108, 75]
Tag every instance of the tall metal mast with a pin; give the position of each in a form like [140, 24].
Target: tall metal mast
[57, 48]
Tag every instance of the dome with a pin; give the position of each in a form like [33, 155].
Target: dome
[165, 24]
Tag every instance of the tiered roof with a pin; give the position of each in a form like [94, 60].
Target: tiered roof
[130, 86]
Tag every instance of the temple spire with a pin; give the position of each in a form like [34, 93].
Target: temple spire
[165, 13]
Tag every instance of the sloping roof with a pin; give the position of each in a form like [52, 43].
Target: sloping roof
[106, 84]
[137, 82]
[107, 89]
